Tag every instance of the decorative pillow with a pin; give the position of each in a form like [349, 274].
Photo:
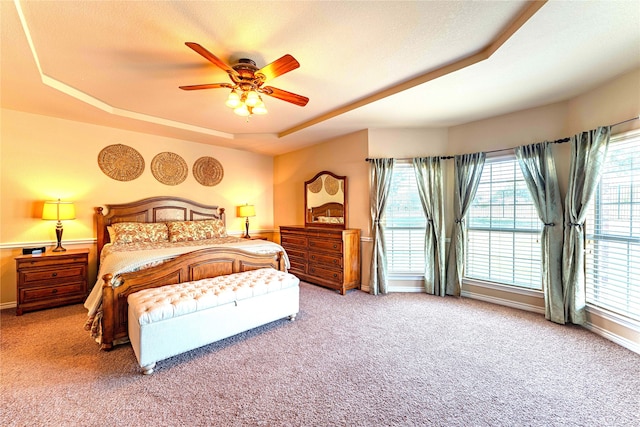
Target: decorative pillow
[139, 232]
[184, 231]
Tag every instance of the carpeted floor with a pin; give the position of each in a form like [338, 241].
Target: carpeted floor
[354, 360]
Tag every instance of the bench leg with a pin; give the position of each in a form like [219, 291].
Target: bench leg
[148, 370]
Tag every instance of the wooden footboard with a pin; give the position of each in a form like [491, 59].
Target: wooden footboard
[201, 264]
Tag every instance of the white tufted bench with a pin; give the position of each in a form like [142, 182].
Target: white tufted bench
[172, 319]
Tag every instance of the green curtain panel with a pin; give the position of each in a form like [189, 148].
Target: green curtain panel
[429, 179]
[468, 170]
[588, 154]
[381, 171]
[539, 170]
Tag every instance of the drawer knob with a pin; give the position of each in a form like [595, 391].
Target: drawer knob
[54, 274]
[335, 246]
[313, 257]
[54, 291]
[335, 261]
[335, 275]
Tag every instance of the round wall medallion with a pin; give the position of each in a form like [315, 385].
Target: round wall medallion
[315, 186]
[169, 168]
[208, 171]
[120, 162]
[331, 185]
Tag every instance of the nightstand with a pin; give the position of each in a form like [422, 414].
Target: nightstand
[51, 279]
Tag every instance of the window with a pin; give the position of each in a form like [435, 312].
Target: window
[613, 231]
[503, 243]
[404, 224]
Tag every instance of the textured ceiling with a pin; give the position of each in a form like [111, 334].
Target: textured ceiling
[363, 64]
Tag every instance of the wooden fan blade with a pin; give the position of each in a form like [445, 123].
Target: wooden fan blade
[211, 57]
[278, 67]
[285, 96]
[207, 86]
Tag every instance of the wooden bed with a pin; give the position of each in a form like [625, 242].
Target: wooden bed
[195, 265]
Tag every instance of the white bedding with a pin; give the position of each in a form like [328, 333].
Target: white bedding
[118, 259]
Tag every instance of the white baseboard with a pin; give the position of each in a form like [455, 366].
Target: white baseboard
[11, 304]
[622, 341]
[502, 301]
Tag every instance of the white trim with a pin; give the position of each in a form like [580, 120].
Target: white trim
[622, 341]
[504, 288]
[15, 245]
[503, 301]
[10, 304]
[621, 321]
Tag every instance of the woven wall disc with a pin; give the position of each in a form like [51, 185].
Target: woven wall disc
[208, 171]
[121, 162]
[331, 185]
[315, 186]
[169, 168]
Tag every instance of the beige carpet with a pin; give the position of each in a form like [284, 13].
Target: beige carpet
[354, 360]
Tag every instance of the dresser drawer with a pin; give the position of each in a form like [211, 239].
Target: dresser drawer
[295, 252]
[36, 276]
[297, 264]
[48, 292]
[330, 260]
[326, 245]
[334, 276]
[292, 240]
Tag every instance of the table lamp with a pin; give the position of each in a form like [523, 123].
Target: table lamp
[245, 211]
[56, 210]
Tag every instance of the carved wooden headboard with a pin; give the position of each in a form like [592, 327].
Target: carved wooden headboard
[331, 209]
[153, 209]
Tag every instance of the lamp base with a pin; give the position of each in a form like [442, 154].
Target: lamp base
[59, 247]
[246, 228]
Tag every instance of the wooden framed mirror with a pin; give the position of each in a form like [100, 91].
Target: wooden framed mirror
[325, 201]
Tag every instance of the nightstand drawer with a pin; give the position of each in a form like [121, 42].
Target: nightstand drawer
[48, 292]
[51, 280]
[34, 276]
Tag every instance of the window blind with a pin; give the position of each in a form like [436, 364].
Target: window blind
[404, 223]
[503, 242]
[612, 261]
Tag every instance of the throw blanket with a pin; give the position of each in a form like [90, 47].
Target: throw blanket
[118, 259]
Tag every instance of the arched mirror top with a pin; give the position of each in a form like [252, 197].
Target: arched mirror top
[325, 200]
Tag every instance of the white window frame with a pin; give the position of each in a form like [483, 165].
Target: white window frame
[412, 280]
[534, 288]
[603, 237]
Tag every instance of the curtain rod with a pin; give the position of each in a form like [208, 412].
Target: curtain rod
[557, 141]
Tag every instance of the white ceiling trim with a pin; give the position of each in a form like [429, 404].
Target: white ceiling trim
[97, 103]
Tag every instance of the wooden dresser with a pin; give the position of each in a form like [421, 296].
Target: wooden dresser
[324, 256]
[51, 279]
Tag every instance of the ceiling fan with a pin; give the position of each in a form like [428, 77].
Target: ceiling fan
[248, 82]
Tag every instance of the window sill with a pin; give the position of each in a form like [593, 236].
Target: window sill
[504, 288]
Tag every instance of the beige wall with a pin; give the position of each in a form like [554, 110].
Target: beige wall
[343, 156]
[44, 158]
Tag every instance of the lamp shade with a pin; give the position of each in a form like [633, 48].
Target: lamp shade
[58, 211]
[246, 211]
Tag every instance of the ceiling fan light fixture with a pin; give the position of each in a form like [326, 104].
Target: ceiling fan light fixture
[242, 110]
[260, 108]
[252, 98]
[233, 101]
